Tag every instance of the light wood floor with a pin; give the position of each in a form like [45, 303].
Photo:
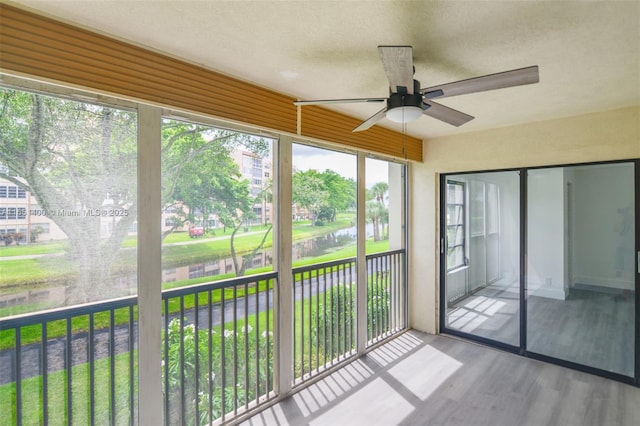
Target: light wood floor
[588, 327]
[421, 379]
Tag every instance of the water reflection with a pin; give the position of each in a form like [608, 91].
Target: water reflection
[312, 247]
[324, 244]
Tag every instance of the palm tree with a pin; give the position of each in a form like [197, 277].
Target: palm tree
[377, 210]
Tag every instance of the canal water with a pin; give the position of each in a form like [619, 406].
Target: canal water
[54, 296]
[313, 247]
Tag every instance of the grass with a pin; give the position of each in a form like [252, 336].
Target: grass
[30, 274]
[55, 329]
[181, 237]
[33, 249]
[22, 272]
[301, 230]
[32, 400]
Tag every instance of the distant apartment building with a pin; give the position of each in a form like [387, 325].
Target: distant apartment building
[258, 171]
[18, 223]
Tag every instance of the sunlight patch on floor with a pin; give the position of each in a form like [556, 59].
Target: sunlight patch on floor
[474, 313]
[377, 404]
[434, 368]
[334, 386]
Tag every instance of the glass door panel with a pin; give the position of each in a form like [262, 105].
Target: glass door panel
[482, 240]
[581, 265]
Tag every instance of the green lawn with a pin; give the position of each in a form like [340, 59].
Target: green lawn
[36, 272]
[32, 249]
[32, 401]
[301, 230]
[25, 270]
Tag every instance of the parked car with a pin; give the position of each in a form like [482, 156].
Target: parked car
[196, 231]
[12, 237]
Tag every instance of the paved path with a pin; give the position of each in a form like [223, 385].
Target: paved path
[180, 243]
[31, 256]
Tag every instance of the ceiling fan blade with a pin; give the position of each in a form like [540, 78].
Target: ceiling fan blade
[446, 114]
[433, 94]
[500, 80]
[339, 101]
[371, 120]
[398, 65]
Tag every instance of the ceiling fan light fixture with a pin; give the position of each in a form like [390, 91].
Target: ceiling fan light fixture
[404, 114]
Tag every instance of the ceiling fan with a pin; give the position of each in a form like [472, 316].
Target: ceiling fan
[408, 102]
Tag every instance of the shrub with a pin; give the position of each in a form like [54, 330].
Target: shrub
[217, 390]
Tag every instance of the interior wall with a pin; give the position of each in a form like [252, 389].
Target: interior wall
[609, 135]
[509, 226]
[545, 233]
[599, 194]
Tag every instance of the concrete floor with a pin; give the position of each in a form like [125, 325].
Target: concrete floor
[422, 379]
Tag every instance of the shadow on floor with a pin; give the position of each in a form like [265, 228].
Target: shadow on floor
[423, 379]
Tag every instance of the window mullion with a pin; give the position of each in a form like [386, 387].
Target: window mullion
[149, 273]
[361, 263]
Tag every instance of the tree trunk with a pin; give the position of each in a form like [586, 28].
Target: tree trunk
[241, 267]
[376, 229]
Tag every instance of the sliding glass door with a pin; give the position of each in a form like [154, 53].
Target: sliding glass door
[543, 261]
[481, 246]
[581, 266]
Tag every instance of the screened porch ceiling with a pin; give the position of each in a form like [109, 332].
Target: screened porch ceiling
[588, 52]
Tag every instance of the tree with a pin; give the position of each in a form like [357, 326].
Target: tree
[202, 176]
[323, 194]
[194, 158]
[310, 193]
[343, 194]
[79, 161]
[235, 209]
[377, 210]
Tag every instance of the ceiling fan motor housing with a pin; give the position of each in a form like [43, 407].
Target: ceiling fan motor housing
[403, 98]
[397, 100]
[402, 106]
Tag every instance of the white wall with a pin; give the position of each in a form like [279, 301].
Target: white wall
[545, 233]
[599, 193]
[608, 135]
[509, 227]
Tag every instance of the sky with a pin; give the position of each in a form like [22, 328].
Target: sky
[307, 157]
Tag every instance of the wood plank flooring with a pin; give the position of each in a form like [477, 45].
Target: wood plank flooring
[422, 379]
[589, 327]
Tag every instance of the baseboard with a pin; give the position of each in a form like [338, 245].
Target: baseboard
[598, 288]
[550, 293]
[616, 284]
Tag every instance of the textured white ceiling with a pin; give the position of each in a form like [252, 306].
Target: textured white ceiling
[588, 52]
